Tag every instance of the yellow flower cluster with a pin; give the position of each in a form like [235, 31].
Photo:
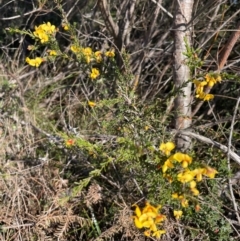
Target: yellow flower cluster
[34, 62]
[89, 55]
[44, 31]
[185, 175]
[149, 218]
[209, 81]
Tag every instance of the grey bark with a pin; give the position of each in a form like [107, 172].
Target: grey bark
[182, 103]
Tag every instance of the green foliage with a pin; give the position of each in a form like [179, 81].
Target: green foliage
[99, 141]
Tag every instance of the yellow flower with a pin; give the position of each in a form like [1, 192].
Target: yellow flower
[208, 97]
[175, 196]
[212, 79]
[110, 54]
[167, 164]
[34, 62]
[52, 52]
[147, 223]
[95, 73]
[158, 233]
[87, 52]
[184, 202]
[166, 148]
[177, 214]
[193, 184]
[209, 172]
[199, 86]
[198, 172]
[65, 26]
[41, 35]
[43, 31]
[98, 56]
[91, 103]
[185, 177]
[195, 191]
[48, 28]
[75, 49]
[137, 223]
[137, 210]
[183, 158]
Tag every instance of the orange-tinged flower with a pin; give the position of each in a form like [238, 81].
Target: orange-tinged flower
[149, 208]
[160, 218]
[209, 172]
[69, 142]
[197, 208]
[177, 213]
[147, 233]
[166, 148]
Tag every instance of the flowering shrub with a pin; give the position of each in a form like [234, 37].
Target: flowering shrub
[178, 171]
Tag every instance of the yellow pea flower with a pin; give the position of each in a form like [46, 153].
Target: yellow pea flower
[209, 172]
[34, 62]
[95, 73]
[185, 177]
[158, 233]
[193, 184]
[91, 103]
[195, 191]
[177, 214]
[137, 223]
[110, 54]
[166, 148]
[147, 233]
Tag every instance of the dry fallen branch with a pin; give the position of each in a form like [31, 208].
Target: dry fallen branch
[204, 139]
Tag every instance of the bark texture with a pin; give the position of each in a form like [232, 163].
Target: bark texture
[182, 104]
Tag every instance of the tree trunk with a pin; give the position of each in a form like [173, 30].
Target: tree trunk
[182, 75]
